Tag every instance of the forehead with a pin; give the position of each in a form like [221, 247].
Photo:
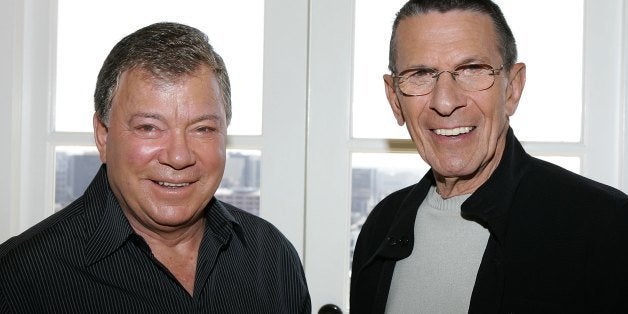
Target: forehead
[446, 39]
[139, 87]
[160, 77]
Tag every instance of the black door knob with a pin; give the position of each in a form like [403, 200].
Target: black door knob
[330, 309]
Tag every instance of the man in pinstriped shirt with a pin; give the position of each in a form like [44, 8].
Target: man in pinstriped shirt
[148, 235]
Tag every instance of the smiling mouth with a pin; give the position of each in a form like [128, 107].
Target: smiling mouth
[173, 185]
[454, 131]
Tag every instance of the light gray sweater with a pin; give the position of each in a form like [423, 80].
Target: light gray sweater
[439, 275]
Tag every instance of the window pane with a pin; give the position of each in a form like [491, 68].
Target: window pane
[87, 30]
[75, 167]
[241, 182]
[551, 47]
[371, 114]
[573, 164]
[376, 175]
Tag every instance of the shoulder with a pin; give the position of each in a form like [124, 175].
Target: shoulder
[261, 249]
[46, 236]
[558, 183]
[401, 203]
[397, 210]
[390, 204]
[258, 232]
[32, 257]
[554, 196]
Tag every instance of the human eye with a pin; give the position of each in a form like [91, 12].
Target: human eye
[421, 73]
[473, 70]
[204, 130]
[417, 77]
[147, 130]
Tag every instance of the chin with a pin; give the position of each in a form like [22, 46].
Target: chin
[174, 217]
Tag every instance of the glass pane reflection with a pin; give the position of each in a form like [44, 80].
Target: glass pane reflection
[376, 175]
[75, 167]
[241, 181]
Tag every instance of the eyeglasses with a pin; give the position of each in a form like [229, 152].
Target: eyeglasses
[469, 77]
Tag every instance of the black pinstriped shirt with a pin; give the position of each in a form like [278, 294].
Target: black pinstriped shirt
[86, 258]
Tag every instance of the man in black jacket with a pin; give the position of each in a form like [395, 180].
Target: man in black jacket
[489, 229]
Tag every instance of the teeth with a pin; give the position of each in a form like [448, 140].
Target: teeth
[173, 185]
[453, 132]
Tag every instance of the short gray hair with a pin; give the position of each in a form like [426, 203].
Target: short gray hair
[167, 51]
[507, 46]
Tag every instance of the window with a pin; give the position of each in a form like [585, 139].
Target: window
[85, 35]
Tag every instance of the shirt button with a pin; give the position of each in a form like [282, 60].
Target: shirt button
[392, 241]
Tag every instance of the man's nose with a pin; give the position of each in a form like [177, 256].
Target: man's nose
[446, 95]
[177, 152]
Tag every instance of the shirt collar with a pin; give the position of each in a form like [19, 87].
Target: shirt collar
[107, 228]
[220, 223]
[490, 203]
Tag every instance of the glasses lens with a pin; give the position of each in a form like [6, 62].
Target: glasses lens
[475, 77]
[417, 82]
[470, 77]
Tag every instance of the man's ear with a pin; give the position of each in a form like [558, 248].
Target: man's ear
[391, 95]
[100, 136]
[517, 80]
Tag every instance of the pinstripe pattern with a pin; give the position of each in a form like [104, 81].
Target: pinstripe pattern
[87, 259]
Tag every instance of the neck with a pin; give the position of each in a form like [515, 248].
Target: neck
[453, 186]
[177, 251]
[183, 236]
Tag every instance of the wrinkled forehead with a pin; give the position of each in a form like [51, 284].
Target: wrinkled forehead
[452, 37]
[166, 76]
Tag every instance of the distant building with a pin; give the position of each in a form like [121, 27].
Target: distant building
[363, 190]
[241, 182]
[73, 173]
[245, 199]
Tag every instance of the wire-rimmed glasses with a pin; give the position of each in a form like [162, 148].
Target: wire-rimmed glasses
[469, 77]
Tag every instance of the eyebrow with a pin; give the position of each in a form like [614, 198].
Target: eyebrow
[149, 115]
[468, 60]
[210, 117]
[157, 116]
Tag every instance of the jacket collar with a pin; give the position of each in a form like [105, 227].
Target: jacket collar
[488, 205]
[107, 228]
[399, 241]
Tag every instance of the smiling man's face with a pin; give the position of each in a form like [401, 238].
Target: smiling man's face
[460, 134]
[164, 147]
